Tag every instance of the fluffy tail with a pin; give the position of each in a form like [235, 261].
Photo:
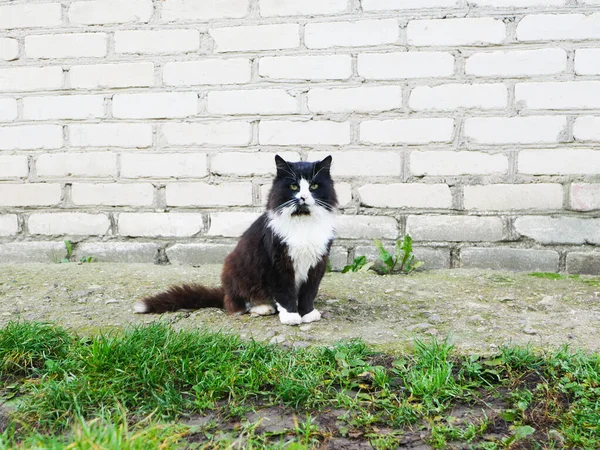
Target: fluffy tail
[186, 296]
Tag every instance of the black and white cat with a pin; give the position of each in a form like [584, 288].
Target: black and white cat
[280, 260]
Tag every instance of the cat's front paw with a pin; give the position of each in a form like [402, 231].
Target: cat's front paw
[288, 318]
[312, 316]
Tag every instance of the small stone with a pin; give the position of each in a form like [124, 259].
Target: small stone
[507, 298]
[432, 332]
[301, 344]
[548, 301]
[352, 298]
[435, 318]
[6, 313]
[419, 327]
[279, 339]
[529, 330]
[111, 300]
[476, 318]
[306, 327]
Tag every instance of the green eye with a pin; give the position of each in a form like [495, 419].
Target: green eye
[314, 186]
[294, 187]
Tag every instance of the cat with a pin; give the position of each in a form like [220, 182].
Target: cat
[279, 261]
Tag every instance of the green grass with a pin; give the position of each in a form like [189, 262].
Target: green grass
[135, 389]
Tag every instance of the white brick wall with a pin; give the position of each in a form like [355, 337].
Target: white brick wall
[158, 121]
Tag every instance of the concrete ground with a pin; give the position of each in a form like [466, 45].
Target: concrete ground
[477, 310]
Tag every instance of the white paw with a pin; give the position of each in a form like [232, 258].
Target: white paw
[312, 316]
[262, 310]
[288, 318]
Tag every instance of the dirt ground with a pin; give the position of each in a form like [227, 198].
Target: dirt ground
[477, 310]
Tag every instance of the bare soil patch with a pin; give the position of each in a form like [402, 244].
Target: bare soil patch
[477, 310]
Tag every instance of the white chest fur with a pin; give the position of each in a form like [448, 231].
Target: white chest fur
[306, 238]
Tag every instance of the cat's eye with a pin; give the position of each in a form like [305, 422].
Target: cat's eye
[294, 187]
[314, 186]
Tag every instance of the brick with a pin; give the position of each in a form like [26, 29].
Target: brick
[13, 166]
[559, 95]
[112, 194]
[155, 105]
[72, 45]
[314, 67]
[9, 49]
[111, 135]
[8, 109]
[406, 195]
[583, 263]
[559, 162]
[351, 34]
[230, 224]
[384, 5]
[520, 3]
[344, 194]
[30, 194]
[547, 27]
[397, 66]
[454, 228]
[366, 227]
[451, 32]
[559, 230]
[285, 132]
[252, 101]
[198, 254]
[30, 16]
[157, 41]
[457, 163]
[587, 61]
[210, 71]
[160, 224]
[31, 78]
[517, 63]
[515, 130]
[510, 197]
[448, 97]
[30, 137]
[408, 131]
[69, 223]
[163, 165]
[63, 107]
[88, 165]
[270, 8]
[338, 258]
[100, 12]
[191, 10]
[361, 99]
[117, 252]
[517, 259]
[31, 252]
[9, 224]
[587, 128]
[362, 163]
[257, 37]
[211, 133]
[112, 75]
[248, 164]
[205, 194]
[433, 258]
[585, 197]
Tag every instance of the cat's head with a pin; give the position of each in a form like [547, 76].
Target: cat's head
[302, 188]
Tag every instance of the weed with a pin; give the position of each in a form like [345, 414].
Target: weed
[402, 261]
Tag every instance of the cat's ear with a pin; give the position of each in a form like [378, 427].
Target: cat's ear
[324, 165]
[281, 164]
